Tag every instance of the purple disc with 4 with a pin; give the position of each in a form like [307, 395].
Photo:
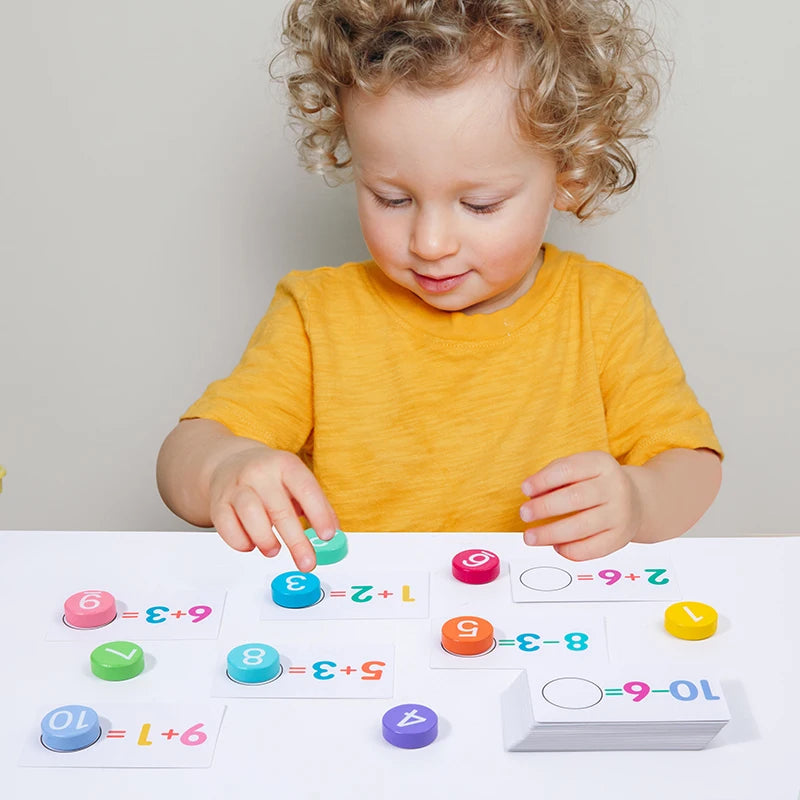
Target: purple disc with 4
[410, 725]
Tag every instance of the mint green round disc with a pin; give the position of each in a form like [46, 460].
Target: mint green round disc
[331, 551]
[117, 661]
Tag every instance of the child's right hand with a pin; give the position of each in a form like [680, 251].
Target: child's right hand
[252, 490]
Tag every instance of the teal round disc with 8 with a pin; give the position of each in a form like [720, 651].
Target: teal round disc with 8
[254, 663]
[329, 552]
[296, 589]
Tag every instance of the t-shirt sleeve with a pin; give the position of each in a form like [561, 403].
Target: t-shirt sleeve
[267, 397]
[649, 405]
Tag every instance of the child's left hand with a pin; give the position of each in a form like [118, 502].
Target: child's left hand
[599, 495]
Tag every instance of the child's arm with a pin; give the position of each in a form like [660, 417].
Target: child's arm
[212, 478]
[608, 505]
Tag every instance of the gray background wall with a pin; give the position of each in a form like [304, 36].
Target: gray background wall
[150, 200]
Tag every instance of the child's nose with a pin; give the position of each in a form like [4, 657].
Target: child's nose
[433, 236]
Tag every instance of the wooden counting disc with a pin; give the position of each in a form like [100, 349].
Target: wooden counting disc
[117, 661]
[90, 609]
[475, 566]
[690, 620]
[410, 726]
[254, 663]
[328, 551]
[467, 636]
[70, 728]
[296, 589]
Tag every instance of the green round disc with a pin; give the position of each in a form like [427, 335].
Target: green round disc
[117, 661]
[331, 551]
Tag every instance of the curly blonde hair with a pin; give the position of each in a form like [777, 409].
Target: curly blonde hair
[587, 75]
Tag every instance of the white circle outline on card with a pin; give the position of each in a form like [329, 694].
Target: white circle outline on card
[555, 584]
[90, 628]
[572, 693]
[254, 683]
[76, 750]
[300, 608]
[473, 655]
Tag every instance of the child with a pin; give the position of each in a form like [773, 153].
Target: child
[468, 364]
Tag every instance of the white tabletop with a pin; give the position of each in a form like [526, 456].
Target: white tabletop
[332, 748]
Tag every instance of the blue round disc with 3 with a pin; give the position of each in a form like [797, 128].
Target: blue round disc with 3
[69, 728]
[254, 663]
[296, 589]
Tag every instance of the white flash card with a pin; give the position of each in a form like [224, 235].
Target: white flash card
[142, 616]
[553, 579]
[369, 595]
[136, 735]
[519, 637]
[627, 694]
[621, 707]
[318, 671]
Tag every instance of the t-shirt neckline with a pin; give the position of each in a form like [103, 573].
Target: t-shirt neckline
[415, 313]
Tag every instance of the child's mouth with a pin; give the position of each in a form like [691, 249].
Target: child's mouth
[440, 285]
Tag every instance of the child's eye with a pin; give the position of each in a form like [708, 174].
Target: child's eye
[385, 202]
[488, 209]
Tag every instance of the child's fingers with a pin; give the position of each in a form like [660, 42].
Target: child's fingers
[281, 513]
[230, 530]
[254, 520]
[565, 471]
[566, 500]
[306, 493]
[570, 529]
[597, 546]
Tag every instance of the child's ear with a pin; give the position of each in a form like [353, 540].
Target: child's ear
[567, 192]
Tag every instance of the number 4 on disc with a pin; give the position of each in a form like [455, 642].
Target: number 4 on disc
[410, 726]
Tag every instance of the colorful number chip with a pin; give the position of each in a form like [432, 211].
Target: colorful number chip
[330, 551]
[117, 661]
[410, 726]
[468, 636]
[690, 620]
[70, 728]
[254, 663]
[475, 566]
[89, 609]
[296, 589]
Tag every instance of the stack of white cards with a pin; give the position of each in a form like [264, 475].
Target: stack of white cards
[616, 708]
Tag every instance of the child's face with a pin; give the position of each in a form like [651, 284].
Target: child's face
[453, 206]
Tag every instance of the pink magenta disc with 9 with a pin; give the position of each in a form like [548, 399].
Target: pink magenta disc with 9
[476, 566]
[89, 609]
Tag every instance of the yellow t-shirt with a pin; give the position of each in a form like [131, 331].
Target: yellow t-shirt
[415, 419]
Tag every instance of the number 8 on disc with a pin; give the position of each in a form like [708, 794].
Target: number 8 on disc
[254, 663]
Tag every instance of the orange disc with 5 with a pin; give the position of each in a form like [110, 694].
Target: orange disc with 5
[467, 636]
